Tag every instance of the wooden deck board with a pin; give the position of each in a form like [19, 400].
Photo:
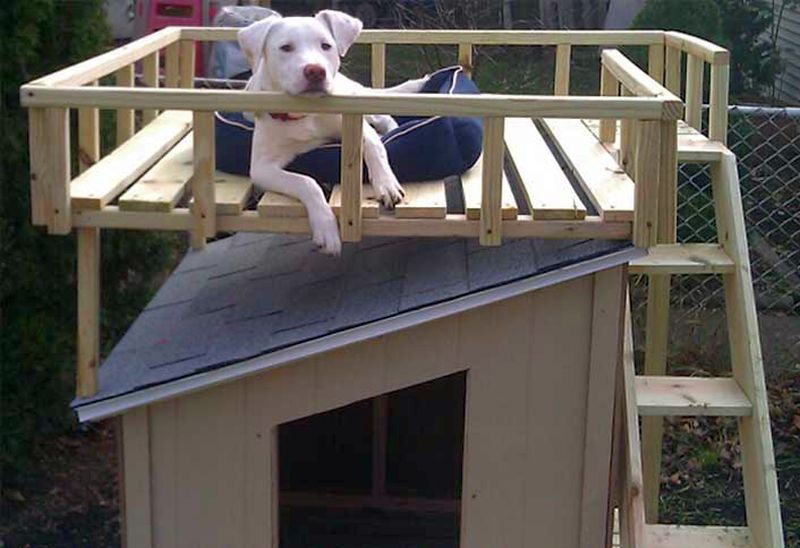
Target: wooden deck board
[425, 200]
[693, 146]
[606, 184]
[163, 185]
[684, 259]
[231, 193]
[546, 188]
[471, 185]
[101, 183]
[369, 205]
[681, 396]
[274, 204]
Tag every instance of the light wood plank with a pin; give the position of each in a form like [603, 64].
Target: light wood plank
[680, 536]
[672, 76]
[88, 351]
[150, 75]
[465, 57]
[609, 87]
[546, 188]
[655, 62]
[274, 204]
[561, 84]
[698, 47]
[605, 183]
[683, 259]
[125, 116]
[378, 60]
[661, 396]
[426, 200]
[172, 60]
[718, 111]
[88, 137]
[631, 500]
[646, 175]
[203, 191]
[100, 184]
[352, 173]
[160, 188]
[231, 193]
[492, 181]
[187, 63]
[370, 208]
[471, 186]
[758, 458]
[608, 295]
[50, 169]
[694, 91]
[164, 471]
[136, 468]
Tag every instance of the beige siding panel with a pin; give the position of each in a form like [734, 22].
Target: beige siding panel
[560, 333]
[260, 457]
[164, 451]
[344, 376]
[495, 459]
[210, 466]
[136, 462]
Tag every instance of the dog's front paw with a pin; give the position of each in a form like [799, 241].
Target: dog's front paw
[325, 232]
[383, 124]
[388, 190]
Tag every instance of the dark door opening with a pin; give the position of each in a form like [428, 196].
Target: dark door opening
[379, 473]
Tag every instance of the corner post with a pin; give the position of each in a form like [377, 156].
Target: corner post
[88, 349]
[352, 172]
[718, 112]
[50, 169]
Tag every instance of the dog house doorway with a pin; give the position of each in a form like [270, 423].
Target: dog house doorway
[379, 473]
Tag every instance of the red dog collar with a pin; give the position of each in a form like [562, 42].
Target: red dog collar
[284, 117]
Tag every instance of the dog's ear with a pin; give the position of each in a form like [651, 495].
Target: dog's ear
[344, 28]
[252, 39]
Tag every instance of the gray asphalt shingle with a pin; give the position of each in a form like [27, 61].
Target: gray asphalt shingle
[251, 294]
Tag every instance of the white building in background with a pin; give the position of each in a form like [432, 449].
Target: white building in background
[787, 85]
[621, 13]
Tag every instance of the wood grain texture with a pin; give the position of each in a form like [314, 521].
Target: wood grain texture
[471, 186]
[150, 77]
[125, 116]
[672, 70]
[203, 191]
[655, 62]
[718, 110]
[137, 520]
[426, 200]
[694, 91]
[352, 173]
[160, 188]
[545, 187]
[690, 396]
[561, 80]
[610, 190]
[378, 62]
[88, 281]
[50, 169]
[683, 259]
[609, 87]
[172, 60]
[492, 181]
[370, 208]
[187, 63]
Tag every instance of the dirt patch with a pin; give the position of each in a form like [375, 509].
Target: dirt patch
[70, 498]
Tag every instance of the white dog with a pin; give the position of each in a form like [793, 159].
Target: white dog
[301, 56]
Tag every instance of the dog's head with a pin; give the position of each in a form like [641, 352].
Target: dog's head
[298, 55]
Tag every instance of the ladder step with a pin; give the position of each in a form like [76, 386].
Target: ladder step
[697, 536]
[683, 259]
[690, 396]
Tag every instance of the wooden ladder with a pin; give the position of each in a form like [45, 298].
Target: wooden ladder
[653, 396]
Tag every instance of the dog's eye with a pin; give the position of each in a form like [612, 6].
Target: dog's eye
[287, 47]
[326, 46]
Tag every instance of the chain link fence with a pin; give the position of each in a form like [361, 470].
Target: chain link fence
[766, 142]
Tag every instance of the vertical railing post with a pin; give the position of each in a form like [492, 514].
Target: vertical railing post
[172, 61]
[50, 169]
[150, 79]
[646, 172]
[694, 91]
[609, 87]
[125, 116]
[88, 280]
[672, 71]
[492, 176]
[657, 326]
[352, 172]
[718, 113]
[627, 139]
[563, 54]
[655, 62]
[378, 58]
[465, 57]
[204, 207]
[187, 63]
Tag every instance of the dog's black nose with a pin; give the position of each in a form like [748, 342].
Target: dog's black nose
[314, 73]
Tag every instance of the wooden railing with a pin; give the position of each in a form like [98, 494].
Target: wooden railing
[648, 112]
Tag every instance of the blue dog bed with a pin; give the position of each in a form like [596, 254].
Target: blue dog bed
[420, 149]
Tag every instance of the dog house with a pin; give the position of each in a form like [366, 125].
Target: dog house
[499, 294]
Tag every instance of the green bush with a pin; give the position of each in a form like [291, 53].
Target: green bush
[37, 271]
[697, 17]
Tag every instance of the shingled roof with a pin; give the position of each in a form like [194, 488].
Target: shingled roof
[252, 295]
